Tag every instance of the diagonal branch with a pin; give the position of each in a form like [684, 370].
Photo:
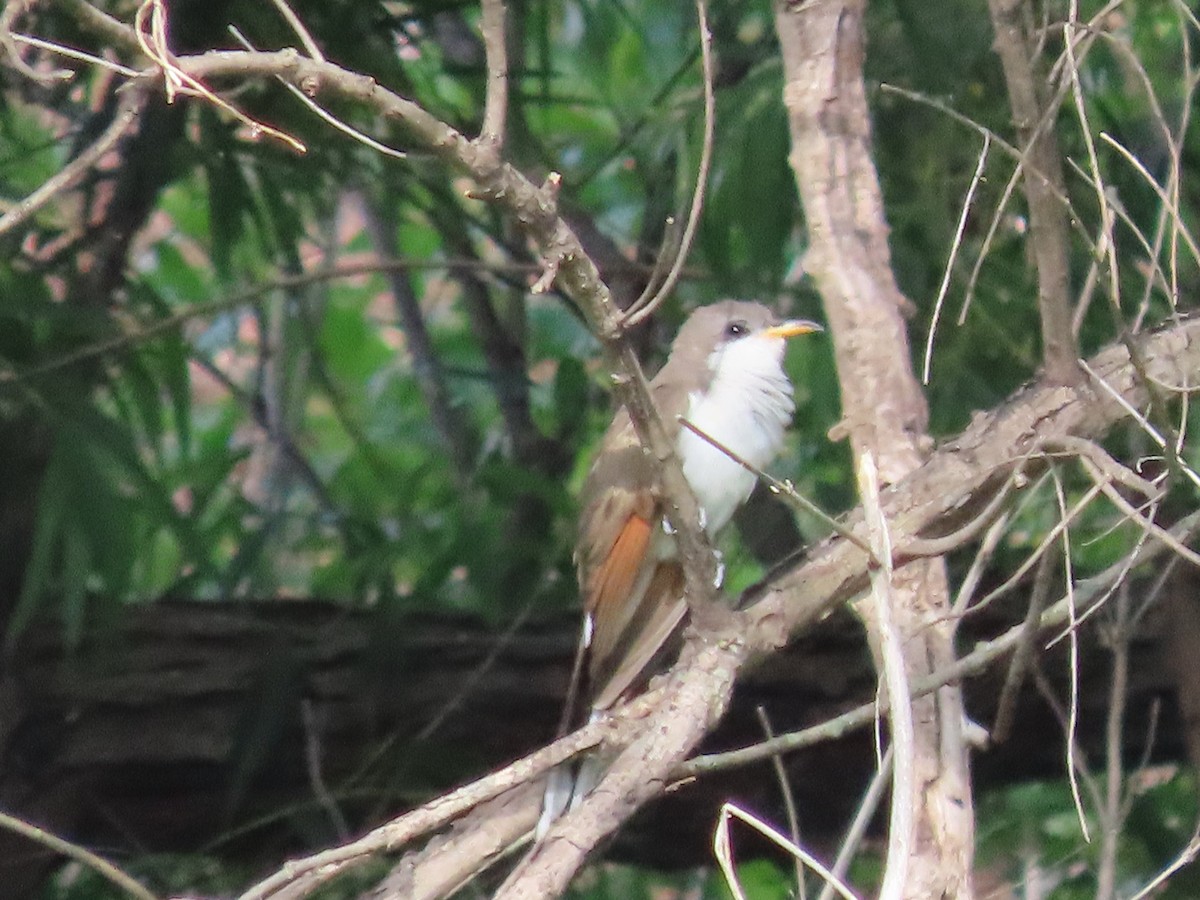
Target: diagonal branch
[69, 175]
[665, 726]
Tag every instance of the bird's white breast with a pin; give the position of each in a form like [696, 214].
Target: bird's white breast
[747, 408]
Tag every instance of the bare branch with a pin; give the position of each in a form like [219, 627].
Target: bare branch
[1112, 812]
[1043, 180]
[321, 111]
[789, 799]
[13, 10]
[986, 653]
[319, 868]
[427, 368]
[1185, 858]
[954, 248]
[888, 646]
[723, 848]
[1019, 665]
[72, 53]
[495, 102]
[862, 821]
[306, 39]
[646, 305]
[150, 26]
[70, 174]
[885, 412]
[786, 490]
[1073, 765]
[82, 855]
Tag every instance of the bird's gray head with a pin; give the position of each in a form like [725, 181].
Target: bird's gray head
[735, 334]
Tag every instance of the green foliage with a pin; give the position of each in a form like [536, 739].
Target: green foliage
[210, 425]
[1034, 830]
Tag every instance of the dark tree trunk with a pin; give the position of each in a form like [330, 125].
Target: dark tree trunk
[187, 721]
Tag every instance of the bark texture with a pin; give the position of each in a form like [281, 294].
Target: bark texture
[884, 409]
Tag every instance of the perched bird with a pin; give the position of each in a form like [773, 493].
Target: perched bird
[724, 375]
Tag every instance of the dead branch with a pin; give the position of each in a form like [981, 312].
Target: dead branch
[1043, 180]
[70, 174]
[802, 590]
[885, 416]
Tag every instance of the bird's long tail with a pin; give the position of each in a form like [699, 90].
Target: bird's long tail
[563, 789]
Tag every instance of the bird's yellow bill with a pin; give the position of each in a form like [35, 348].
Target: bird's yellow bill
[792, 328]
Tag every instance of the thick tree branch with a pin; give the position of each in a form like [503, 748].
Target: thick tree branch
[1043, 183]
[495, 42]
[885, 415]
[961, 475]
[919, 503]
[536, 210]
[965, 470]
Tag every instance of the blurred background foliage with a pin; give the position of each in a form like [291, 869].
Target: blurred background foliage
[229, 372]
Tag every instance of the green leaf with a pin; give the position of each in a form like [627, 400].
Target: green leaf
[570, 396]
[51, 512]
[76, 564]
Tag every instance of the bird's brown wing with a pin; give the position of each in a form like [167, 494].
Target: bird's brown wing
[652, 621]
[632, 587]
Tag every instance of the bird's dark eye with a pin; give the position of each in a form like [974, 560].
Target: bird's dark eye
[736, 328]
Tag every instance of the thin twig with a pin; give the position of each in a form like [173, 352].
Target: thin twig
[495, 100]
[723, 849]
[13, 10]
[644, 307]
[1031, 560]
[1047, 219]
[1168, 202]
[71, 53]
[1073, 656]
[320, 867]
[784, 489]
[894, 678]
[1014, 678]
[306, 39]
[1143, 522]
[322, 112]
[150, 26]
[316, 780]
[1024, 167]
[1111, 818]
[80, 854]
[955, 246]
[1107, 241]
[861, 822]
[980, 658]
[1077, 752]
[1142, 421]
[1096, 604]
[789, 800]
[430, 376]
[1185, 858]
[939, 546]
[72, 172]
[245, 297]
[979, 564]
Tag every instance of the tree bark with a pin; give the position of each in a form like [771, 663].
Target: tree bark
[884, 417]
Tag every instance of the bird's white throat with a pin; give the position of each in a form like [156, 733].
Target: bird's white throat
[747, 407]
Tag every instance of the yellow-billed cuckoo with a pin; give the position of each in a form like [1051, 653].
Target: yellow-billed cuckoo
[724, 375]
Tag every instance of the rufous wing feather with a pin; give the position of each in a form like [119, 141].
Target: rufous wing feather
[652, 619]
[612, 582]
